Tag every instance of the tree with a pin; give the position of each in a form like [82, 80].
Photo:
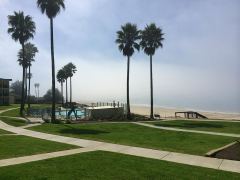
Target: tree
[66, 76]
[16, 89]
[61, 80]
[48, 96]
[71, 70]
[30, 53]
[51, 8]
[36, 85]
[152, 38]
[127, 40]
[22, 28]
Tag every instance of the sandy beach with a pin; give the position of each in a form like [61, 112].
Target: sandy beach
[170, 112]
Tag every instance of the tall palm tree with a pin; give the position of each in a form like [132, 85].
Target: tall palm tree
[152, 38]
[36, 85]
[22, 28]
[51, 8]
[71, 70]
[61, 80]
[30, 53]
[127, 40]
[66, 76]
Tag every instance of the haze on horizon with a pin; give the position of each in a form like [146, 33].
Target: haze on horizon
[198, 67]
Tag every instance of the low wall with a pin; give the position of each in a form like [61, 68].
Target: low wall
[105, 113]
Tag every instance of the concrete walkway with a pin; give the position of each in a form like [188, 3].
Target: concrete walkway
[38, 157]
[186, 130]
[214, 163]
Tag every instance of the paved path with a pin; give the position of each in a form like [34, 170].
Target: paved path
[186, 130]
[30, 125]
[38, 157]
[227, 165]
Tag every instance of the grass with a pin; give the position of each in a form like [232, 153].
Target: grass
[216, 126]
[15, 112]
[134, 135]
[13, 121]
[16, 146]
[9, 107]
[11, 113]
[4, 132]
[108, 166]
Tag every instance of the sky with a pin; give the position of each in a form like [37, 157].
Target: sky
[198, 66]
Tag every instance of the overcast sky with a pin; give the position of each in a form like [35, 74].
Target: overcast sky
[198, 66]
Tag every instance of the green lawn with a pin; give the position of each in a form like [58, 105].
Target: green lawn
[4, 132]
[15, 112]
[134, 135]
[11, 113]
[16, 146]
[106, 165]
[13, 121]
[216, 126]
[9, 107]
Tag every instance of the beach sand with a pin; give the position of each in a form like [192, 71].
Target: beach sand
[170, 112]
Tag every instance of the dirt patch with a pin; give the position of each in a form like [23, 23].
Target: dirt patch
[231, 152]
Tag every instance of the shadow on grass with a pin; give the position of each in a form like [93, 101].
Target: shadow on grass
[78, 131]
[191, 125]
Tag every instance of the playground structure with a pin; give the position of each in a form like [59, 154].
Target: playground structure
[190, 115]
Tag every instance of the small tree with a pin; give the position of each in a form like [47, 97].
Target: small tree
[48, 96]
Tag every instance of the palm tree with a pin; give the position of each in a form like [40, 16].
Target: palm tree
[71, 69]
[51, 8]
[61, 80]
[152, 38]
[127, 40]
[30, 53]
[66, 76]
[36, 85]
[22, 28]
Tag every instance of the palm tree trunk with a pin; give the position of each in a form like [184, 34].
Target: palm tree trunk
[23, 83]
[62, 92]
[66, 92]
[151, 87]
[70, 89]
[128, 103]
[53, 72]
[25, 95]
[29, 85]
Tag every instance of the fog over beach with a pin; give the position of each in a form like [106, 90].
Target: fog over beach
[197, 68]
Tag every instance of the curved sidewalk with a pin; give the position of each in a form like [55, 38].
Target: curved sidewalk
[214, 163]
[187, 130]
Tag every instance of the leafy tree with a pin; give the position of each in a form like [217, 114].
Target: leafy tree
[22, 28]
[152, 38]
[51, 8]
[48, 96]
[127, 40]
[16, 89]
